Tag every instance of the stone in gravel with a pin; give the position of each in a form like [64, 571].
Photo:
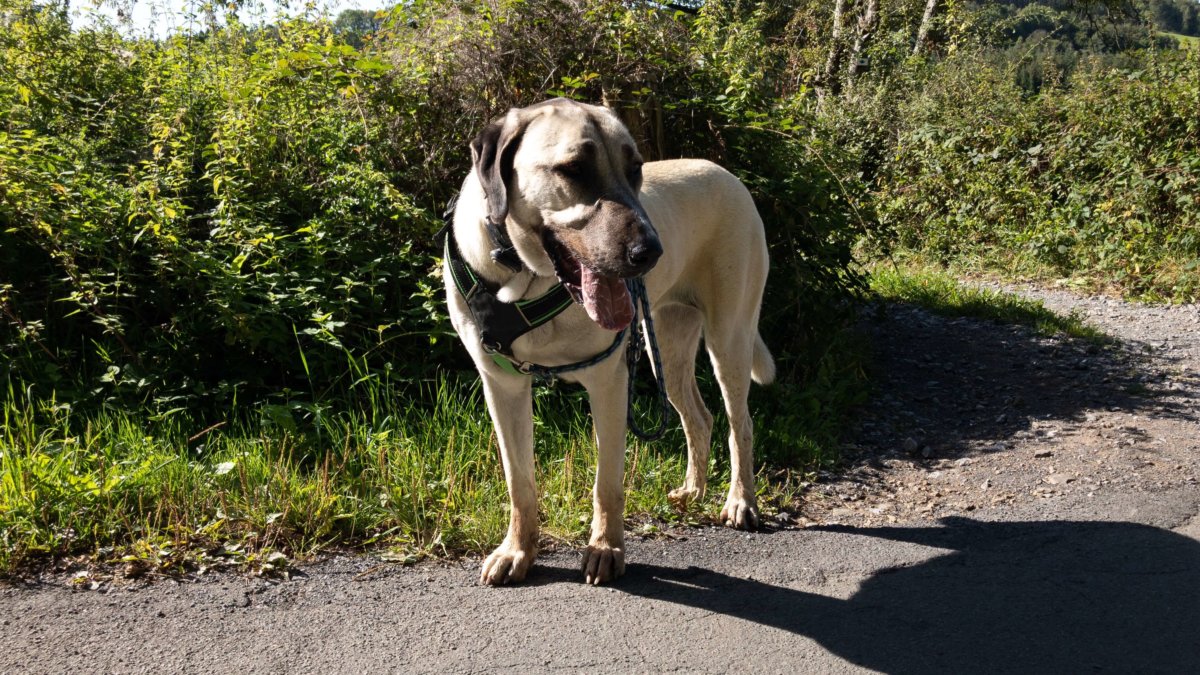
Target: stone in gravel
[1043, 453]
[927, 452]
[1059, 479]
[987, 483]
[839, 514]
[910, 444]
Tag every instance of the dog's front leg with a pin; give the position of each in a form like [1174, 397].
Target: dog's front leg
[604, 559]
[510, 403]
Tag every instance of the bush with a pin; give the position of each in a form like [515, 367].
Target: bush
[218, 277]
[230, 228]
[246, 214]
[1098, 179]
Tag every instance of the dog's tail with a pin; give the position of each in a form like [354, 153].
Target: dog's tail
[762, 369]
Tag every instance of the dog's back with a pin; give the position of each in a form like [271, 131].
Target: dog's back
[715, 249]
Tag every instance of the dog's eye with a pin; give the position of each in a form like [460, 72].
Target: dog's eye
[635, 173]
[569, 169]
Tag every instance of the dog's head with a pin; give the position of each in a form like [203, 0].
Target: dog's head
[565, 176]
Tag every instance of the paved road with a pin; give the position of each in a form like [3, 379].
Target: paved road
[1080, 586]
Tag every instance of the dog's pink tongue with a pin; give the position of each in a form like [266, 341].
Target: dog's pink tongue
[606, 299]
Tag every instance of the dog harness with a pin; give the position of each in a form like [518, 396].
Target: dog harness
[501, 323]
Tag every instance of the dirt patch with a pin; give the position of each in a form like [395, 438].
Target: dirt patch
[971, 414]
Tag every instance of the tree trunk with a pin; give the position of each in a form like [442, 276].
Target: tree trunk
[866, 30]
[829, 79]
[926, 23]
[644, 119]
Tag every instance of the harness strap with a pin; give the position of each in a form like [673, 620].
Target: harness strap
[501, 323]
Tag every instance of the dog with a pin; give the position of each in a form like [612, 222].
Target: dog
[560, 197]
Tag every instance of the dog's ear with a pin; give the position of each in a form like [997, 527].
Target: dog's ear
[492, 153]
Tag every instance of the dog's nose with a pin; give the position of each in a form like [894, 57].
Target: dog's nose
[644, 254]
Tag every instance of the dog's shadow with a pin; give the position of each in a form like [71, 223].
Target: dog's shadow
[1053, 596]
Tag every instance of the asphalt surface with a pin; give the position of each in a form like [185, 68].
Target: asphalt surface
[1112, 586]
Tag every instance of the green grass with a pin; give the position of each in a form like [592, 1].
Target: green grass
[417, 474]
[425, 479]
[1185, 41]
[414, 471]
[117, 483]
[939, 292]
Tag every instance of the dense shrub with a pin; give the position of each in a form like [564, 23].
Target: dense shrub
[248, 212]
[202, 215]
[1099, 180]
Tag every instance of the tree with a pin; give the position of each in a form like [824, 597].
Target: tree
[354, 25]
[866, 29]
[926, 24]
[830, 79]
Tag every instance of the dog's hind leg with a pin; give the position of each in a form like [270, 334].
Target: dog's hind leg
[510, 401]
[731, 348]
[604, 559]
[680, 326]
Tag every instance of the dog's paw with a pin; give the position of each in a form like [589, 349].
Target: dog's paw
[602, 563]
[740, 513]
[507, 564]
[681, 497]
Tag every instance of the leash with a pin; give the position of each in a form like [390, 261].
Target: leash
[637, 289]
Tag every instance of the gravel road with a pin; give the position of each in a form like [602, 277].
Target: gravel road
[1011, 503]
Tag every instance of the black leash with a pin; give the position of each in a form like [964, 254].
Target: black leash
[637, 289]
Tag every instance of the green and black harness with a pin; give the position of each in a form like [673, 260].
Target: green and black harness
[501, 323]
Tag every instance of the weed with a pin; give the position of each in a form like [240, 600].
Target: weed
[939, 292]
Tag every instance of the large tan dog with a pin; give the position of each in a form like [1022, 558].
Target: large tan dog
[566, 183]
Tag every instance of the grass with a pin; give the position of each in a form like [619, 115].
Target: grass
[939, 292]
[416, 473]
[1185, 41]
[423, 480]
[114, 482]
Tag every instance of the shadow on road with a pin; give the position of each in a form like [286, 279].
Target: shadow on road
[1052, 597]
[948, 382]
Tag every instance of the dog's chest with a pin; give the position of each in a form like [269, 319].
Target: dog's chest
[570, 337]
